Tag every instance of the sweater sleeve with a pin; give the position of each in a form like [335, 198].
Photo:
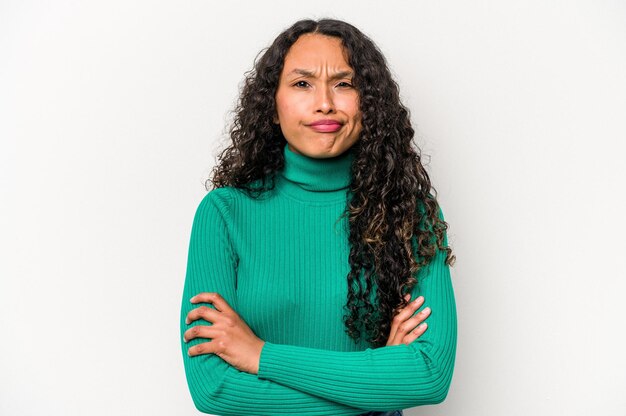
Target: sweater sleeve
[216, 387]
[385, 378]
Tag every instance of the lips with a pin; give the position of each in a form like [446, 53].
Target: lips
[326, 126]
[324, 122]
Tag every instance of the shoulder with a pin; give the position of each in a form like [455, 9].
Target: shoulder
[421, 207]
[230, 201]
[429, 224]
[216, 202]
[220, 196]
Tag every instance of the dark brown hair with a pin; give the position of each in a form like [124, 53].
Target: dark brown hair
[395, 223]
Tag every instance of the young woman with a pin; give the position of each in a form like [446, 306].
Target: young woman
[312, 259]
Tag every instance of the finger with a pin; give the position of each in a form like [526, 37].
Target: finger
[199, 331]
[410, 324]
[400, 321]
[410, 309]
[212, 297]
[202, 312]
[204, 348]
[404, 314]
[407, 298]
[394, 322]
[415, 334]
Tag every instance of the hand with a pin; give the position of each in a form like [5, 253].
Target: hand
[403, 329]
[232, 338]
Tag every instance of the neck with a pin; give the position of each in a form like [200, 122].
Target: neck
[316, 179]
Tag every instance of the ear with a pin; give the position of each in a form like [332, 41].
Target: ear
[275, 119]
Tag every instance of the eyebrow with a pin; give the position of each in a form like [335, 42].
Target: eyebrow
[307, 73]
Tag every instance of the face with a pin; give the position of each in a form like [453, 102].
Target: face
[316, 84]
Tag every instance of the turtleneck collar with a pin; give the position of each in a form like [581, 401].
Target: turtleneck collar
[316, 179]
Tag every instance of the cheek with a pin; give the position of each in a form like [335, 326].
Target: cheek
[355, 114]
[286, 108]
[282, 102]
[357, 121]
[287, 104]
[351, 106]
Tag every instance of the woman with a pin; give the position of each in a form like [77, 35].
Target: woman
[319, 230]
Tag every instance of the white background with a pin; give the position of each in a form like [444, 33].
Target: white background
[112, 112]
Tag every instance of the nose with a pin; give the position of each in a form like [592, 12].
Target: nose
[324, 100]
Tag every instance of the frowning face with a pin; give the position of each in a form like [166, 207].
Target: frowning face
[315, 85]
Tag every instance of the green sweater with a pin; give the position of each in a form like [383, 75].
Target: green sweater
[282, 263]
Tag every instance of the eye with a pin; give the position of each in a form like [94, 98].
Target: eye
[300, 82]
[346, 84]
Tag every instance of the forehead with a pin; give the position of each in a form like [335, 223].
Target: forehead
[312, 50]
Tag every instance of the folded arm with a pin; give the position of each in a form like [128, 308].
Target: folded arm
[386, 378]
[216, 387]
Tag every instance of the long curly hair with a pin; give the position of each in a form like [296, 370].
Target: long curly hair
[395, 228]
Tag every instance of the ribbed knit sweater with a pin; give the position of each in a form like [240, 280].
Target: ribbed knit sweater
[282, 263]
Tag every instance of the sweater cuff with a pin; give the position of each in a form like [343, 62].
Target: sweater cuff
[268, 359]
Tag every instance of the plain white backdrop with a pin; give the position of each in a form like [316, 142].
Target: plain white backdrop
[112, 112]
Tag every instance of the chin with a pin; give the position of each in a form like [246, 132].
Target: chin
[326, 150]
